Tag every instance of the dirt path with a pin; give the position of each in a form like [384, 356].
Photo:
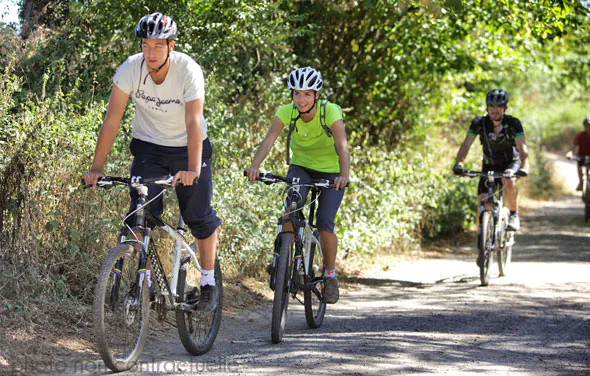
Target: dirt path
[423, 317]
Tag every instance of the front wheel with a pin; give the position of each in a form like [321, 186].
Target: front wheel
[313, 295]
[121, 312]
[282, 288]
[197, 330]
[487, 247]
[504, 244]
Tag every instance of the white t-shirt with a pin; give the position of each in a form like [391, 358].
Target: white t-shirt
[159, 109]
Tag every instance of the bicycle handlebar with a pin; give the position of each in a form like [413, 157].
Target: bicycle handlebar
[110, 181]
[585, 159]
[495, 174]
[268, 178]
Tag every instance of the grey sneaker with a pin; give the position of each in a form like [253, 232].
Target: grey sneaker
[208, 301]
[513, 223]
[331, 294]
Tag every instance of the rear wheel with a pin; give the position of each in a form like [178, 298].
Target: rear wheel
[505, 243]
[586, 197]
[282, 287]
[487, 247]
[121, 312]
[313, 295]
[197, 330]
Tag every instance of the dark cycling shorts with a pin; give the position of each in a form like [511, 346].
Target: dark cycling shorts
[581, 161]
[329, 200]
[151, 160]
[512, 165]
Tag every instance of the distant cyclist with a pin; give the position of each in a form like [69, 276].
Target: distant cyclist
[504, 149]
[320, 151]
[582, 148]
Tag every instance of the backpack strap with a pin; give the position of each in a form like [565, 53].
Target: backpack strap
[323, 118]
[292, 125]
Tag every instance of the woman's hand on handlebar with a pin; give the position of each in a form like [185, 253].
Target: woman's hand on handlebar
[340, 182]
[252, 173]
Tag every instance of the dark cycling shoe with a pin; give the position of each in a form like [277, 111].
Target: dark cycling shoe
[513, 223]
[208, 301]
[580, 187]
[331, 293]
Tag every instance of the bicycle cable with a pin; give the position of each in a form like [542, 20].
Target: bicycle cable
[138, 209]
[304, 205]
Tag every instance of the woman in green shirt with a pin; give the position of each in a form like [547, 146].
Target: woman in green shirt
[320, 151]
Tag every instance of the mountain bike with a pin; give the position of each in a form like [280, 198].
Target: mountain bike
[298, 262]
[494, 235]
[123, 294]
[585, 187]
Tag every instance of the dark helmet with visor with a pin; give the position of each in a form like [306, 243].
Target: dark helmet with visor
[498, 97]
[156, 26]
[587, 120]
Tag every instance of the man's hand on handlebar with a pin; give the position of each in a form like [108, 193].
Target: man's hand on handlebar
[458, 169]
[522, 173]
[186, 178]
[91, 178]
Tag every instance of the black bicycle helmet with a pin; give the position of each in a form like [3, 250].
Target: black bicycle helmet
[497, 97]
[156, 26]
[587, 120]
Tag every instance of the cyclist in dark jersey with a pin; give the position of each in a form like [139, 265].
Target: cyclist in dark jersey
[582, 144]
[504, 149]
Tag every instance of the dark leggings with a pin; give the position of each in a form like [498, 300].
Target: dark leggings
[329, 201]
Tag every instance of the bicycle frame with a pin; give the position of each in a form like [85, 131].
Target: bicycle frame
[304, 239]
[303, 231]
[167, 288]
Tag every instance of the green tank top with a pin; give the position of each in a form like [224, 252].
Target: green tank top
[310, 146]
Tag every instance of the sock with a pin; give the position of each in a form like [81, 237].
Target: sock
[148, 275]
[330, 273]
[208, 277]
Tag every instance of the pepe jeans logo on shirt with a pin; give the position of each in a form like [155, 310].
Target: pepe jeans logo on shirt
[156, 103]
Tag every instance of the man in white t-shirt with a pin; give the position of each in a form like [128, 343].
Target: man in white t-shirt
[169, 135]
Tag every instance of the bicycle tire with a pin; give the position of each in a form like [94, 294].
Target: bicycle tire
[504, 252]
[313, 296]
[121, 318]
[282, 287]
[198, 330]
[487, 248]
[586, 198]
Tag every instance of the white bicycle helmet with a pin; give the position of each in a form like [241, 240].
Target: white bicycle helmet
[305, 78]
[156, 26]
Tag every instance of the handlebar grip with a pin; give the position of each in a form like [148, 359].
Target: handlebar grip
[84, 185]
